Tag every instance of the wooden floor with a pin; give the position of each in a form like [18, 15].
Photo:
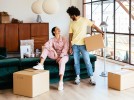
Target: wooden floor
[83, 91]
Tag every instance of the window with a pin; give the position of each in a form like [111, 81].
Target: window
[119, 15]
[108, 15]
[132, 17]
[132, 50]
[96, 13]
[110, 46]
[122, 48]
[88, 11]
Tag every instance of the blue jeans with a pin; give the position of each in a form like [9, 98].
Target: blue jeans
[77, 49]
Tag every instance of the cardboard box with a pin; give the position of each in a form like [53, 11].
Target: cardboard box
[30, 82]
[94, 42]
[4, 19]
[120, 80]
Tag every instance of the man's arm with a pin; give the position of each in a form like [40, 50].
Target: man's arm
[70, 45]
[97, 29]
[70, 39]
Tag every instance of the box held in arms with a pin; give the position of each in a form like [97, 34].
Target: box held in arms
[94, 42]
[30, 82]
[121, 79]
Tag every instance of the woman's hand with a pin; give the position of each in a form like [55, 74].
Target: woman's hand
[58, 59]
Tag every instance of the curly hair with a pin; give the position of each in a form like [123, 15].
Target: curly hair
[73, 11]
[53, 29]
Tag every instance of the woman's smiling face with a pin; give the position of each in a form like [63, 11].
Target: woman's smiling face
[57, 31]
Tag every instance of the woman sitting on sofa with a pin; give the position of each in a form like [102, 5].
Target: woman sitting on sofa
[56, 48]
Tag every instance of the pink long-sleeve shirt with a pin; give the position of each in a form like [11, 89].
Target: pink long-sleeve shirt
[61, 46]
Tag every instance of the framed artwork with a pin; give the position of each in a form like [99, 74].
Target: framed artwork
[26, 47]
[28, 42]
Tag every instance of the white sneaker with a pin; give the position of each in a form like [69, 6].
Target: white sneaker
[60, 87]
[39, 66]
[77, 80]
[92, 81]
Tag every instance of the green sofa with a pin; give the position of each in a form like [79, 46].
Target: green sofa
[10, 65]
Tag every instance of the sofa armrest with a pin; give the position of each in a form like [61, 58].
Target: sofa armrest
[92, 57]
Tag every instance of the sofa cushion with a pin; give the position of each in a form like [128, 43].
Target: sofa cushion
[9, 62]
[28, 62]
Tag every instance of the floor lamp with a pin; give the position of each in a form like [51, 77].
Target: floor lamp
[104, 25]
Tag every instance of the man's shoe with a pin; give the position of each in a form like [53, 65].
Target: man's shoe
[77, 80]
[92, 81]
[39, 66]
[60, 87]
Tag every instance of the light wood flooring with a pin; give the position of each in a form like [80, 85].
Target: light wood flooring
[83, 91]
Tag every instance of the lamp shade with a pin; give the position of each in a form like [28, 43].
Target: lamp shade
[37, 7]
[50, 6]
[103, 24]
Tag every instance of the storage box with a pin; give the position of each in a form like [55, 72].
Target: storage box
[120, 80]
[94, 42]
[4, 19]
[30, 82]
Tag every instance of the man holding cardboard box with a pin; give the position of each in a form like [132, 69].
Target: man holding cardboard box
[77, 33]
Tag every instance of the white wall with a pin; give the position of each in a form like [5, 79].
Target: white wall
[21, 10]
